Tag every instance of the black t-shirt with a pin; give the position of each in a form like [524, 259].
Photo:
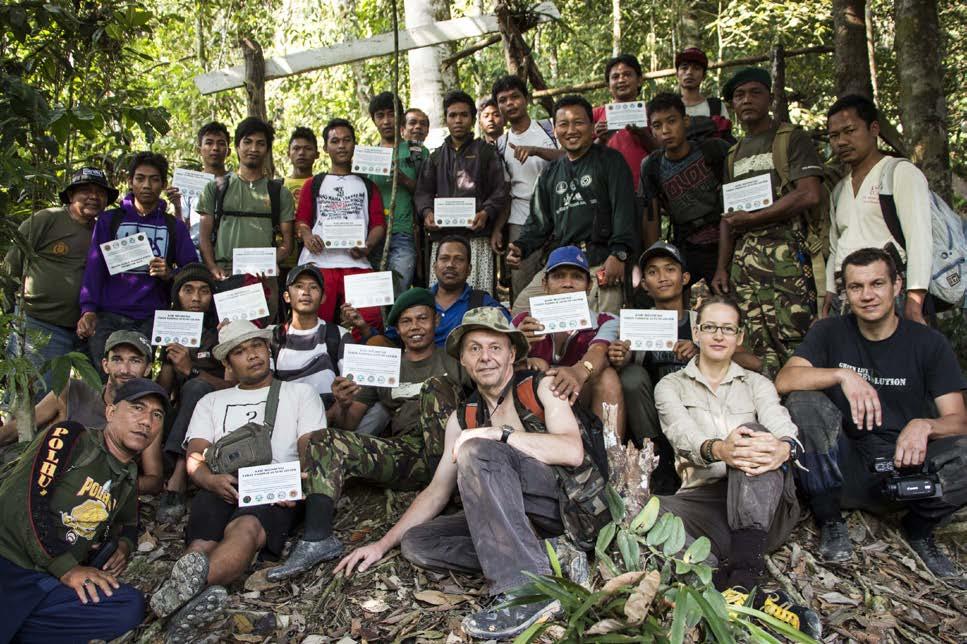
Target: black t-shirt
[908, 370]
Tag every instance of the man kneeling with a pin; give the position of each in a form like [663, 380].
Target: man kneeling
[523, 475]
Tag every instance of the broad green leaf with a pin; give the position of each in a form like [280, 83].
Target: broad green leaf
[698, 551]
[615, 504]
[85, 370]
[658, 534]
[552, 556]
[647, 517]
[677, 632]
[715, 622]
[630, 552]
[60, 371]
[676, 538]
[603, 557]
[605, 537]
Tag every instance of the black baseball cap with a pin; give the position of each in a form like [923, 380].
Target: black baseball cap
[138, 388]
[661, 249]
[304, 269]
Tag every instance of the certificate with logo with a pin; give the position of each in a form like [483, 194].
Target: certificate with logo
[265, 484]
[133, 251]
[749, 194]
[454, 211]
[649, 329]
[343, 233]
[191, 183]
[562, 312]
[372, 366]
[254, 261]
[369, 289]
[181, 327]
[620, 115]
[246, 303]
[372, 159]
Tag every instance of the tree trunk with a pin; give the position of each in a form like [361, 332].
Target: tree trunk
[518, 56]
[689, 25]
[871, 50]
[923, 111]
[615, 27]
[255, 88]
[429, 79]
[852, 60]
[780, 104]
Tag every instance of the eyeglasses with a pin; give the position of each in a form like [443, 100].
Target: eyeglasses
[710, 329]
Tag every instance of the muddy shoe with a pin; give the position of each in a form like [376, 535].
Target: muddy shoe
[834, 543]
[171, 508]
[188, 578]
[505, 622]
[305, 555]
[573, 560]
[204, 609]
[935, 559]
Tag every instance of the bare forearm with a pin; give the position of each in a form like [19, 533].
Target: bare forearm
[791, 379]
[427, 505]
[548, 154]
[747, 360]
[947, 425]
[550, 449]
[375, 237]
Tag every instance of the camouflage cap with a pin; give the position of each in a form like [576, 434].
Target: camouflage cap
[486, 318]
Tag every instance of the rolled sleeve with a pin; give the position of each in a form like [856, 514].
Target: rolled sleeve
[769, 410]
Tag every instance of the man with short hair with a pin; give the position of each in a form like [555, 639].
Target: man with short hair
[523, 475]
[128, 300]
[691, 66]
[525, 148]
[490, 120]
[429, 389]
[386, 110]
[582, 199]
[857, 216]
[415, 125]
[222, 537]
[73, 489]
[303, 153]
[51, 281]
[683, 180]
[340, 195]
[213, 148]
[464, 166]
[871, 392]
[771, 269]
[624, 78]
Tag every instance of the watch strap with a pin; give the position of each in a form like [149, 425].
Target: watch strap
[506, 431]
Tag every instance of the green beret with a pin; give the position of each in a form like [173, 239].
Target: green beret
[746, 75]
[412, 297]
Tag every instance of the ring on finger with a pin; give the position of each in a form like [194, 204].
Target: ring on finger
[88, 581]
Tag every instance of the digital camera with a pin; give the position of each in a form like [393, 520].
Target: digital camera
[906, 487]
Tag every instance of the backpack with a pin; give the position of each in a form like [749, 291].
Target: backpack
[333, 338]
[714, 157]
[117, 215]
[715, 125]
[317, 185]
[948, 274]
[274, 188]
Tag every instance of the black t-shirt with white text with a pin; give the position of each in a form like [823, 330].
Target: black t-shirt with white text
[908, 369]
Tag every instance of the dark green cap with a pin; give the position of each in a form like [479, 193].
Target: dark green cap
[413, 297]
[746, 75]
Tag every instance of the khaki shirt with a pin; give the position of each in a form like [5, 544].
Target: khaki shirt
[691, 413]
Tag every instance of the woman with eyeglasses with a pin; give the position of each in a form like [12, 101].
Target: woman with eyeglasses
[734, 443]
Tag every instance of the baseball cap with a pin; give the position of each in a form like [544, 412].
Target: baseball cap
[567, 256]
[304, 269]
[661, 249]
[692, 55]
[138, 388]
[132, 338]
[85, 176]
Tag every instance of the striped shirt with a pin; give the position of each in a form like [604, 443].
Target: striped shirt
[303, 356]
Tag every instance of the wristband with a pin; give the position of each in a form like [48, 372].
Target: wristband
[706, 450]
[506, 431]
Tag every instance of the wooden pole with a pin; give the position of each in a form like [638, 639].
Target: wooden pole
[780, 104]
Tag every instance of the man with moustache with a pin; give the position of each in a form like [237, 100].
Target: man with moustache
[415, 126]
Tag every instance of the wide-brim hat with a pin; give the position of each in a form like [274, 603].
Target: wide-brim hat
[85, 176]
[235, 333]
[486, 318]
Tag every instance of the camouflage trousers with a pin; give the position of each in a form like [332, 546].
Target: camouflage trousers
[775, 289]
[402, 462]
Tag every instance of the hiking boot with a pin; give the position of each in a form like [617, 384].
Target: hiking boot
[936, 561]
[204, 609]
[779, 605]
[188, 577]
[573, 560]
[305, 555]
[171, 508]
[834, 543]
[498, 622]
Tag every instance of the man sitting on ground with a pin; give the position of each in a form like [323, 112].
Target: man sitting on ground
[860, 389]
[430, 387]
[488, 455]
[71, 489]
[222, 537]
[576, 362]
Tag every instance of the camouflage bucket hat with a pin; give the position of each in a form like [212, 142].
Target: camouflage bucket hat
[486, 318]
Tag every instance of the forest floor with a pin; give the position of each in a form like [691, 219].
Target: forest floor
[884, 594]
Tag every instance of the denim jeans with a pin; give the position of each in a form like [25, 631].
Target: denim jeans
[62, 340]
[402, 258]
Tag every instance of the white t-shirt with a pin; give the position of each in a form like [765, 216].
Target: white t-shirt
[523, 176]
[703, 109]
[856, 221]
[222, 412]
[340, 197]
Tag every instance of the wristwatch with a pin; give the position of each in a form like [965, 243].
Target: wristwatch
[794, 450]
[506, 431]
[194, 373]
[621, 255]
[590, 367]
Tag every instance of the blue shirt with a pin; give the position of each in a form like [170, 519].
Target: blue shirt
[451, 317]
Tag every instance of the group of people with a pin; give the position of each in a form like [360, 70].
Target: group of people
[770, 394]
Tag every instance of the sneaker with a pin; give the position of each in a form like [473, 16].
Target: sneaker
[305, 555]
[204, 609]
[779, 605]
[936, 561]
[188, 577]
[172, 507]
[834, 543]
[504, 622]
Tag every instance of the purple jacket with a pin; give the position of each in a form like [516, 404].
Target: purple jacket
[133, 294]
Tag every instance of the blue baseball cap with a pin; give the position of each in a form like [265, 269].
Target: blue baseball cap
[567, 256]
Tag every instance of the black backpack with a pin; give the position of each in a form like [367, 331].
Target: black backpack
[275, 200]
[333, 338]
[117, 215]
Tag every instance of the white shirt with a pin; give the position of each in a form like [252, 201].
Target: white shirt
[703, 109]
[340, 197]
[523, 176]
[222, 412]
[856, 221]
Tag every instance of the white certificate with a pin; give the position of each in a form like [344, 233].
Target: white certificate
[183, 327]
[246, 303]
[372, 366]
[254, 261]
[127, 253]
[371, 159]
[191, 183]
[343, 233]
[562, 312]
[649, 330]
[454, 211]
[621, 114]
[369, 289]
[264, 484]
[749, 194]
